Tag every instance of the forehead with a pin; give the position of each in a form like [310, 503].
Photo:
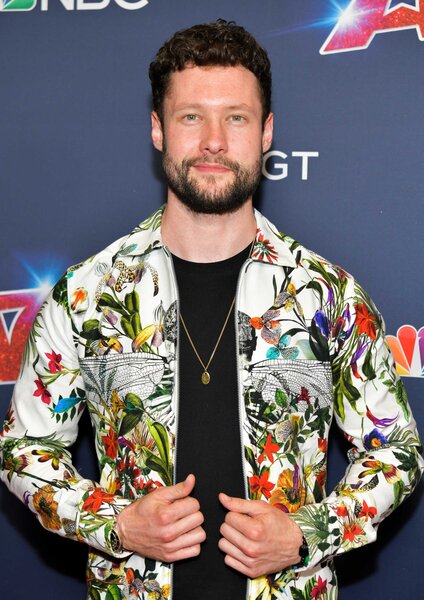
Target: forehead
[213, 86]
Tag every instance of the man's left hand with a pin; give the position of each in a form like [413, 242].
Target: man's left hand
[258, 538]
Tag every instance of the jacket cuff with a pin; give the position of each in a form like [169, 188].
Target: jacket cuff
[96, 519]
[320, 527]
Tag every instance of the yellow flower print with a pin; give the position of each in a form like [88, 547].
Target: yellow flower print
[46, 507]
[289, 494]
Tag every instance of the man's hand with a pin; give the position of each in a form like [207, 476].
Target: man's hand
[163, 525]
[257, 537]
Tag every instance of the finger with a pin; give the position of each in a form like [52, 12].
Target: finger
[180, 509]
[240, 505]
[183, 526]
[183, 553]
[229, 548]
[179, 490]
[238, 566]
[191, 538]
[236, 538]
[247, 526]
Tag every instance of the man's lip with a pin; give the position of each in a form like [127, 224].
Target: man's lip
[211, 168]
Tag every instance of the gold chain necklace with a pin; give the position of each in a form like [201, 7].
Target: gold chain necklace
[205, 378]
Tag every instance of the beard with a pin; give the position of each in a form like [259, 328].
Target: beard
[217, 201]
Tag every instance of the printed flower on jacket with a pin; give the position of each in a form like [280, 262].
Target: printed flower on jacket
[263, 249]
[390, 472]
[289, 495]
[54, 361]
[269, 325]
[42, 391]
[365, 321]
[261, 485]
[8, 421]
[46, 507]
[367, 512]
[288, 300]
[375, 439]
[319, 589]
[110, 442]
[96, 498]
[269, 448]
[353, 532]
[79, 299]
[15, 465]
[49, 455]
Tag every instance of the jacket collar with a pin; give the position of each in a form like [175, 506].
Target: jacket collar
[271, 246]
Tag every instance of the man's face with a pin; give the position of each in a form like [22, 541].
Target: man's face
[212, 137]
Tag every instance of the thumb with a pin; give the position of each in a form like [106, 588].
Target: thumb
[246, 507]
[179, 490]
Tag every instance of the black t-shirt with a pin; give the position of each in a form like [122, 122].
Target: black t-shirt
[208, 436]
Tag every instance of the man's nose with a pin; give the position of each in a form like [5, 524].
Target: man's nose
[214, 138]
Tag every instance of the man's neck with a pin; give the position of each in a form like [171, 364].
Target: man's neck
[206, 238]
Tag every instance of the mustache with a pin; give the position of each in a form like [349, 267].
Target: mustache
[219, 160]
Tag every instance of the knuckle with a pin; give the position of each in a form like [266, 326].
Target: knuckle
[195, 505]
[250, 550]
[165, 517]
[168, 557]
[168, 535]
[256, 533]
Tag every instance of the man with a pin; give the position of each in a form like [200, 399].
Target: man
[212, 352]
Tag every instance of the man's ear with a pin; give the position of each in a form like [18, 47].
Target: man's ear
[157, 132]
[267, 132]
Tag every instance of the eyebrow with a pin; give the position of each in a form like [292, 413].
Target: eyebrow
[188, 105]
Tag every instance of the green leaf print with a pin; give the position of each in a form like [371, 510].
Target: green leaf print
[113, 593]
[401, 399]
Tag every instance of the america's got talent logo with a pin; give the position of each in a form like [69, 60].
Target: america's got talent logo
[361, 20]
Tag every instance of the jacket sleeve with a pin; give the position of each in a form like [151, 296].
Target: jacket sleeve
[372, 410]
[42, 424]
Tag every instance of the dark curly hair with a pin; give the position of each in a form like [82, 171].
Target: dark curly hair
[222, 43]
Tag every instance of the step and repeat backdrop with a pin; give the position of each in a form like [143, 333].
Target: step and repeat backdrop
[344, 176]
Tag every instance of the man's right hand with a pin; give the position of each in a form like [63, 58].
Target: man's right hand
[164, 525]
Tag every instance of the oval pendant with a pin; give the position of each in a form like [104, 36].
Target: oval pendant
[205, 378]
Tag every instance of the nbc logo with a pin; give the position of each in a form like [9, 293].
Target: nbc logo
[6, 5]
[408, 349]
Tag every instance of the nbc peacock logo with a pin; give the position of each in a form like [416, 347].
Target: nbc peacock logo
[17, 5]
[408, 349]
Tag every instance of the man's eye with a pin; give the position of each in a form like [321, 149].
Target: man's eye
[237, 118]
[190, 117]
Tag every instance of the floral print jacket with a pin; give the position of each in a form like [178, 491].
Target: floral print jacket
[310, 346]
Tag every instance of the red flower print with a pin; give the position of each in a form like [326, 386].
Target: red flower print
[365, 321]
[322, 445]
[110, 442]
[351, 531]
[42, 391]
[342, 511]
[319, 588]
[264, 249]
[54, 361]
[96, 499]
[269, 448]
[367, 511]
[261, 484]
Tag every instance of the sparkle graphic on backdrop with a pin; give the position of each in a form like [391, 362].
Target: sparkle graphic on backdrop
[17, 312]
[18, 309]
[361, 20]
